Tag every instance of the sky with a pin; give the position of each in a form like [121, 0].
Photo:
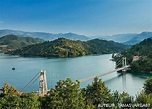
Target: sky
[87, 17]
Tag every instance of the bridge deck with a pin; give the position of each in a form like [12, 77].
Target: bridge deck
[103, 74]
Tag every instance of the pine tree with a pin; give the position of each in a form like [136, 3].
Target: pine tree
[98, 93]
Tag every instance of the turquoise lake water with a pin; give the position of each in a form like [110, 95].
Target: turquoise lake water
[62, 68]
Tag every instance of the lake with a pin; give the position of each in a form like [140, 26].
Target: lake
[62, 68]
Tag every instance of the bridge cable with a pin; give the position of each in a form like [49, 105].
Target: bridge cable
[119, 63]
[30, 82]
[119, 60]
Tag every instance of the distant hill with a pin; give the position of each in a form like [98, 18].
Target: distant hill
[138, 38]
[67, 48]
[121, 38]
[128, 39]
[11, 42]
[144, 51]
[43, 35]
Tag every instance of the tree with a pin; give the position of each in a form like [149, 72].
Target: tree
[7, 89]
[148, 86]
[65, 95]
[144, 99]
[97, 93]
[29, 101]
[10, 101]
[125, 98]
[116, 98]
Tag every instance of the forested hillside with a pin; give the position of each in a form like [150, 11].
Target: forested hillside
[98, 46]
[12, 42]
[67, 48]
[144, 51]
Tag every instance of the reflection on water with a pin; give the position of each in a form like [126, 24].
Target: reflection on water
[114, 78]
[62, 68]
[128, 82]
[124, 80]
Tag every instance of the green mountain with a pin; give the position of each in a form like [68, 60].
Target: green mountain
[98, 46]
[11, 42]
[67, 48]
[144, 51]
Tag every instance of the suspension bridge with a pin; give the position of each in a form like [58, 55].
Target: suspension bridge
[123, 68]
[43, 82]
[103, 74]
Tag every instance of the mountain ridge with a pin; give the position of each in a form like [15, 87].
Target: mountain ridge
[44, 35]
[138, 38]
[128, 38]
[69, 48]
[121, 38]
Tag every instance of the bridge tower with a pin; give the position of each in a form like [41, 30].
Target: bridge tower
[121, 61]
[42, 84]
[124, 62]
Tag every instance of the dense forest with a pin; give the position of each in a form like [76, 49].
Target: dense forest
[68, 95]
[68, 48]
[12, 42]
[143, 51]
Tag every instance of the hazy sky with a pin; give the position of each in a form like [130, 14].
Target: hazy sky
[88, 17]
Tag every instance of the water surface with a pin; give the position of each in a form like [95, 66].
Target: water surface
[62, 68]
